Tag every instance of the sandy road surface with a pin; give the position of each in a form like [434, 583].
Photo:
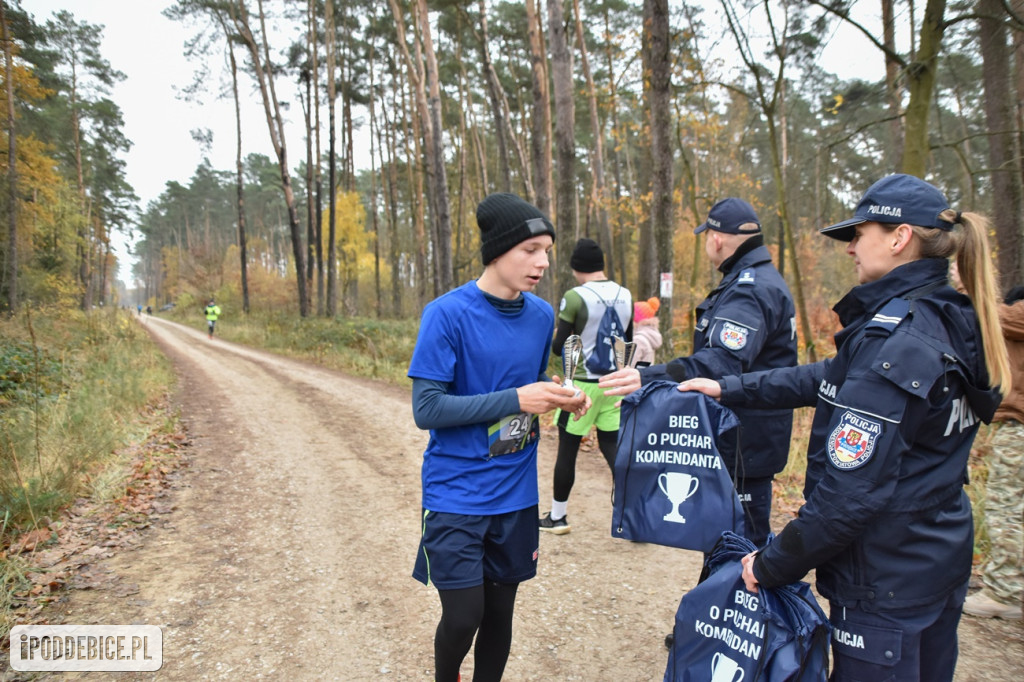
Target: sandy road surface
[289, 552]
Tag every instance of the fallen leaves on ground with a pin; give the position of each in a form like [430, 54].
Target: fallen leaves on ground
[65, 554]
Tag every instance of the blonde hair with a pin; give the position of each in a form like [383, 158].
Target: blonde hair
[978, 275]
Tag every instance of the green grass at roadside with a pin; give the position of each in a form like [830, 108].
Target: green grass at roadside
[74, 397]
[379, 349]
[74, 391]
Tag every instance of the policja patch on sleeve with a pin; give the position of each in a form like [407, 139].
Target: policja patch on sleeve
[852, 442]
[733, 336]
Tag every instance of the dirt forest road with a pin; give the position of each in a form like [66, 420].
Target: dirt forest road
[289, 550]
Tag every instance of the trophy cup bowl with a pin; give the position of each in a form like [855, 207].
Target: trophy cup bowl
[678, 487]
[724, 669]
[624, 352]
[572, 351]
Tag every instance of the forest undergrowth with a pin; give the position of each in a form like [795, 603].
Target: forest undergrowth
[77, 393]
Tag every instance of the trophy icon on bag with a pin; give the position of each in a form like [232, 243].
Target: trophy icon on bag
[724, 669]
[678, 488]
[624, 352]
[572, 351]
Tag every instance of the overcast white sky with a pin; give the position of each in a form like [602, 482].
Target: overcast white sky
[149, 49]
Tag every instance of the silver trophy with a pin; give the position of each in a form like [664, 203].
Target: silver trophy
[624, 352]
[572, 352]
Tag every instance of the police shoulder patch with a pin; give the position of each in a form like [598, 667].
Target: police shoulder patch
[891, 314]
[733, 336]
[852, 442]
[746, 277]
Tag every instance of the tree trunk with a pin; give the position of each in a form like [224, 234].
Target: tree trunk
[463, 261]
[493, 88]
[387, 141]
[308, 76]
[332, 180]
[617, 135]
[600, 198]
[540, 121]
[312, 246]
[414, 178]
[84, 249]
[565, 145]
[921, 78]
[656, 28]
[240, 185]
[11, 271]
[1018, 98]
[317, 180]
[435, 159]
[540, 127]
[378, 306]
[999, 116]
[259, 53]
[421, 126]
[894, 92]
[239, 171]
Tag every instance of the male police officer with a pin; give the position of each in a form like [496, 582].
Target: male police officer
[747, 323]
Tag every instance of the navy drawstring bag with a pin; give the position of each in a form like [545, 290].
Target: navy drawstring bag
[671, 486]
[724, 633]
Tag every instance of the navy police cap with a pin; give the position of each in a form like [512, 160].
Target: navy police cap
[729, 215]
[895, 199]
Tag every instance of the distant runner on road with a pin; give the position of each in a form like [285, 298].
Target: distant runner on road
[212, 312]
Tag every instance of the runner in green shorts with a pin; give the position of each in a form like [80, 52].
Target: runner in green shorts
[581, 312]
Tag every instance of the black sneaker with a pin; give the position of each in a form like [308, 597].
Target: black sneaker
[559, 527]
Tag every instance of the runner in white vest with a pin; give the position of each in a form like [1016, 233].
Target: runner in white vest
[580, 313]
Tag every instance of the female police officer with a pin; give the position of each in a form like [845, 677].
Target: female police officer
[886, 523]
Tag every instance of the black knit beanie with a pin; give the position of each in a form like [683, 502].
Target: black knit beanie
[505, 220]
[587, 256]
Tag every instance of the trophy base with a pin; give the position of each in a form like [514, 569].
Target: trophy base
[674, 517]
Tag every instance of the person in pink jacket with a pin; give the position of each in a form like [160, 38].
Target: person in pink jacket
[645, 331]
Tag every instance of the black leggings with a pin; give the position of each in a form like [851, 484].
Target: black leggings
[565, 462]
[484, 611]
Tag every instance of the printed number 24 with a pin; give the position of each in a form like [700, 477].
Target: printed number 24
[519, 426]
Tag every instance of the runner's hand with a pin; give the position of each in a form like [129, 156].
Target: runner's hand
[582, 409]
[543, 396]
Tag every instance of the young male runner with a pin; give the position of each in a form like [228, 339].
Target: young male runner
[479, 382]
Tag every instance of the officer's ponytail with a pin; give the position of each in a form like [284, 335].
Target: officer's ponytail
[978, 275]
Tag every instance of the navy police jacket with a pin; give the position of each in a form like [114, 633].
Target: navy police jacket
[746, 324]
[886, 521]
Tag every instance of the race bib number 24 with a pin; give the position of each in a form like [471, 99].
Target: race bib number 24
[512, 433]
